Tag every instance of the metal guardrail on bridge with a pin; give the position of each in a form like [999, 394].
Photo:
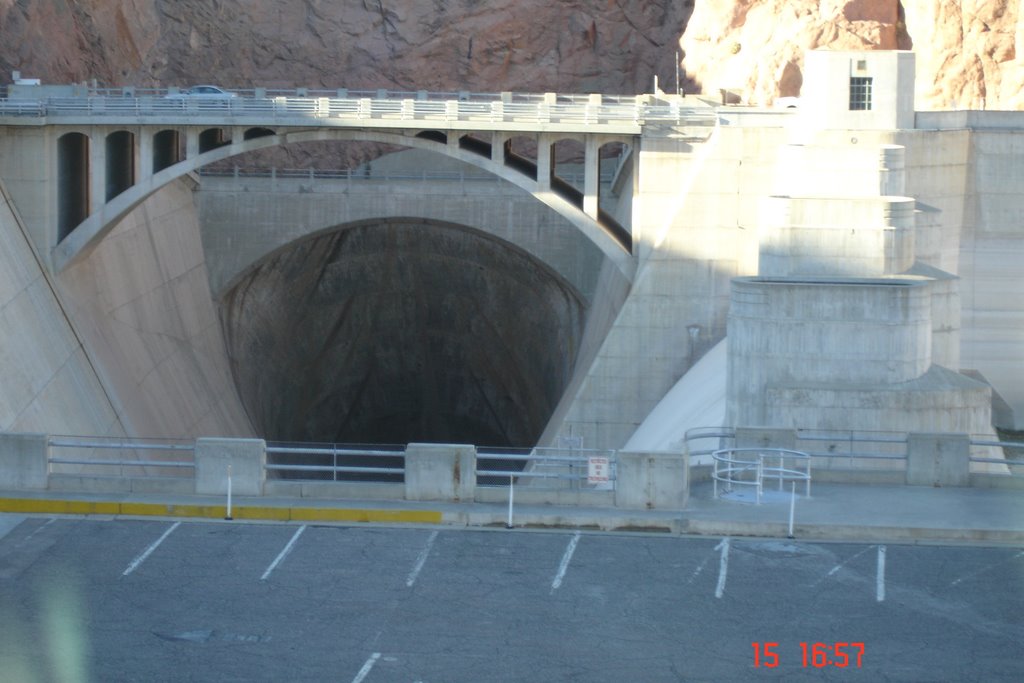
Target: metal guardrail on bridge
[381, 105]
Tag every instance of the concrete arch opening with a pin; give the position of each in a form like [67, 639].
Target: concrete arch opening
[253, 133]
[212, 138]
[120, 156]
[168, 149]
[402, 330]
[567, 157]
[72, 182]
[521, 154]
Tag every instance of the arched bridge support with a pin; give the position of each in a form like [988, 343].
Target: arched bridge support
[154, 163]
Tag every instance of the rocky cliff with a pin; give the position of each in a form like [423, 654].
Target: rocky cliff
[967, 51]
[612, 46]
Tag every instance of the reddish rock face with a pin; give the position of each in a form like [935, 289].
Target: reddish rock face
[483, 45]
[965, 58]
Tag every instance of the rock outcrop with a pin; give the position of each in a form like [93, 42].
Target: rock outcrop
[575, 45]
[967, 52]
[966, 58]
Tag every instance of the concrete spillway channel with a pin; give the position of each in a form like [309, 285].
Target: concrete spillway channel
[401, 332]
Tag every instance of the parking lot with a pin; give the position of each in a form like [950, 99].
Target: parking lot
[161, 600]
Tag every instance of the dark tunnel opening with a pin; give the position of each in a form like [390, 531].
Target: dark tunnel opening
[399, 332]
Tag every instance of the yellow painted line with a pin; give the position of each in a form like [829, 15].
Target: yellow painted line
[366, 515]
[282, 514]
[59, 507]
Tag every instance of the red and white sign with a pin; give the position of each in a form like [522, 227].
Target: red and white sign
[598, 470]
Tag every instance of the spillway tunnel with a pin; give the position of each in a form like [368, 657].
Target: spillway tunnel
[401, 331]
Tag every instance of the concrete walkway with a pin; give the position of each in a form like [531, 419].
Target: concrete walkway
[836, 512]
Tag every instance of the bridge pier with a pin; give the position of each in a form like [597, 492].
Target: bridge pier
[592, 176]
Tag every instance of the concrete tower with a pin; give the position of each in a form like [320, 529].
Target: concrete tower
[846, 324]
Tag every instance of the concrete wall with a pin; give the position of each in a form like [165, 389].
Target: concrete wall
[857, 237]
[991, 258]
[142, 305]
[48, 381]
[277, 212]
[694, 211]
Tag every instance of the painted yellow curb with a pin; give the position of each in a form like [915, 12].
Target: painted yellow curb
[282, 514]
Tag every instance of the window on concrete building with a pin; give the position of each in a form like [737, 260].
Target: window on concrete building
[860, 93]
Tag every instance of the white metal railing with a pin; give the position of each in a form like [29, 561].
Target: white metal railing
[751, 466]
[562, 468]
[335, 462]
[493, 108]
[1011, 464]
[716, 438]
[828, 447]
[89, 445]
[356, 174]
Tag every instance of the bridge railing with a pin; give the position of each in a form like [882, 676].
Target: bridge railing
[375, 105]
[359, 174]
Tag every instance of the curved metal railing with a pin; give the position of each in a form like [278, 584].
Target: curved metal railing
[751, 466]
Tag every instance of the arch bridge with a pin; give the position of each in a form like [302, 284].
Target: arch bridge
[113, 148]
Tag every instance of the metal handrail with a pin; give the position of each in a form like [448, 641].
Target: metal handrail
[122, 445]
[539, 462]
[301, 450]
[336, 468]
[759, 468]
[358, 174]
[119, 444]
[122, 463]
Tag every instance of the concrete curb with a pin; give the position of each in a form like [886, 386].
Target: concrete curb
[249, 512]
[850, 532]
[666, 522]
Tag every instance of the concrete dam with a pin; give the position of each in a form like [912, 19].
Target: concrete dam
[402, 332]
[832, 267]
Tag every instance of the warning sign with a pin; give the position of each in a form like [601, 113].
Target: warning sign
[599, 471]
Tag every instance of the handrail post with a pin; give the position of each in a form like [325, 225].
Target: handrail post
[760, 475]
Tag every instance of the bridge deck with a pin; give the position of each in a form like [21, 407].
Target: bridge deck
[377, 109]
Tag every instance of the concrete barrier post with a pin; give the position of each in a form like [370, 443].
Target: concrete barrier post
[652, 480]
[440, 472]
[938, 459]
[24, 461]
[247, 457]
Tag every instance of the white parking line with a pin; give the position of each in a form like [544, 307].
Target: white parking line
[570, 549]
[985, 569]
[841, 565]
[880, 575]
[420, 560]
[36, 531]
[723, 566]
[148, 551]
[283, 554]
[365, 671]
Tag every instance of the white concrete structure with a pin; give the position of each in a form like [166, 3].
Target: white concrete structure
[836, 331]
[859, 258]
